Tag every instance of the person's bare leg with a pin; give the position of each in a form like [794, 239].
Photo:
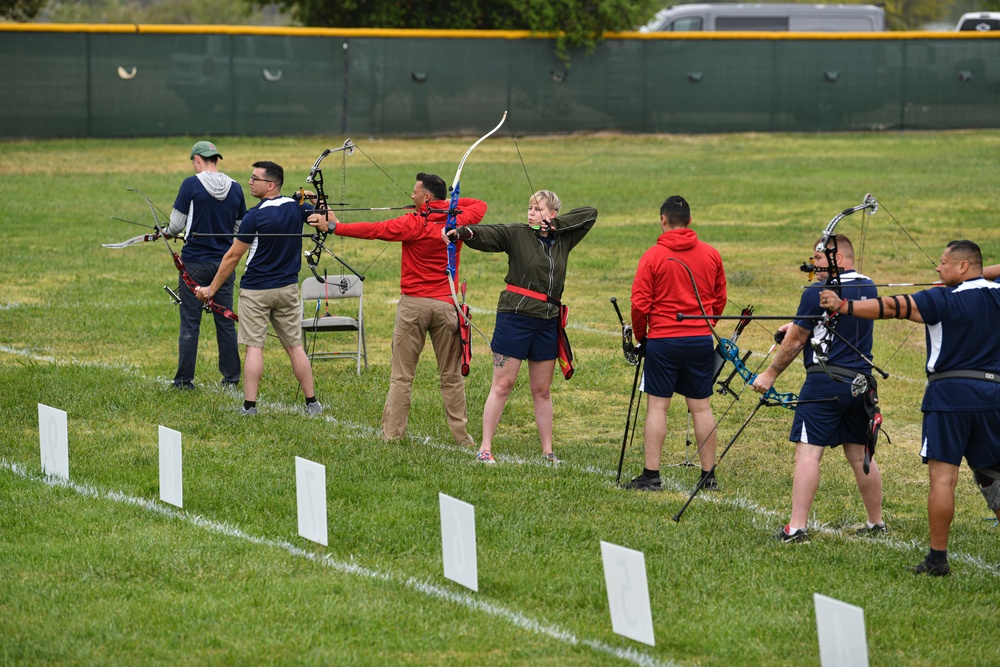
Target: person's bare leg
[505, 371]
[805, 483]
[540, 377]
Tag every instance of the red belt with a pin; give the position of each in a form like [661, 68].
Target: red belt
[534, 295]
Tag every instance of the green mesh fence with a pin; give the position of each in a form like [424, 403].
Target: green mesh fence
[144, 83]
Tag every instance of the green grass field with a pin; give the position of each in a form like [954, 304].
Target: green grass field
[99, 571]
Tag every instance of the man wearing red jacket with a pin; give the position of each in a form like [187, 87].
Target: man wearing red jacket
[425, 304]
[680, 274]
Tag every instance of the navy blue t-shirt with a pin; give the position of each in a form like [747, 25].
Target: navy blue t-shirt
[208, 215]
[854, 286]
[273, 262]
[962, 324]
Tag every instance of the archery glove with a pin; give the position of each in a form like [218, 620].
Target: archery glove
[460, 234]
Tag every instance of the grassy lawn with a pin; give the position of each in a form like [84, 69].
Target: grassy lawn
[99, 571]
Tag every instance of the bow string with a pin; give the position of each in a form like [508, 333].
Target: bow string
[451, 223]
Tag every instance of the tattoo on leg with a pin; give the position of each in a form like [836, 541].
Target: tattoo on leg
[499, 360]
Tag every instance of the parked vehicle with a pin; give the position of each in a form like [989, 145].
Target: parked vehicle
[979, 21]
[768, 17]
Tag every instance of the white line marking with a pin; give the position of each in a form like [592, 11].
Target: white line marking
[759, 513]
[473, 603]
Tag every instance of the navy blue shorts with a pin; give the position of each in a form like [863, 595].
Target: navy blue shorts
[948, 436]
[828, 423]
[682, 365]
[521, 337]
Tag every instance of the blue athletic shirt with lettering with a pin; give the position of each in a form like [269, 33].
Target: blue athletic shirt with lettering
[858, 332]
[961, 325]
[273, 262]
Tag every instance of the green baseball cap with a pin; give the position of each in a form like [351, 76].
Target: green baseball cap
[205, 149]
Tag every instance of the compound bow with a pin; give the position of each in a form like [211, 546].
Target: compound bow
[828, 246]
[315, 179]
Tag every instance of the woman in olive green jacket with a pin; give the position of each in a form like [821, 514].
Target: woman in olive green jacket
[528, 312]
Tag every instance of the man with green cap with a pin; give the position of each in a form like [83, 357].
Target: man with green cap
[207, 203]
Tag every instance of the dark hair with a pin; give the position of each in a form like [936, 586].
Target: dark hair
[273, 171]
[677, 211]
[434, 184]
[966, 250]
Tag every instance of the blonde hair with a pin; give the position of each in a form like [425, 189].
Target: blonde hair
[548, 198]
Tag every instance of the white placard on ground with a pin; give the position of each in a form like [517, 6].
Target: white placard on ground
[628, 592]
[841, 630]
[310, 492]
[458, 541]
[171, 475]
[53, 437]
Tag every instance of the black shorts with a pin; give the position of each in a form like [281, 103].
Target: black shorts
[682, 365]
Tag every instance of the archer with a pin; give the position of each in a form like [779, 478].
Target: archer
[961, 404]
[208, 202]
[269, 288]
[425, 304]
[680, 273]
[830, 411]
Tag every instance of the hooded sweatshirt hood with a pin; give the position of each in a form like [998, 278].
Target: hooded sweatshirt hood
[216, 183]
[683, 238]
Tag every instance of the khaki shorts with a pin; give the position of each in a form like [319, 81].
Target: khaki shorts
[281, 307]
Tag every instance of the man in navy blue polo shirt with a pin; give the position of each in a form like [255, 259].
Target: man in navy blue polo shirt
[961, 404]
[829, 413]
[207, 203]
[269, 288]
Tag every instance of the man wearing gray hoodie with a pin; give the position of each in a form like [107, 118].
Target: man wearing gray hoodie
[207, 203]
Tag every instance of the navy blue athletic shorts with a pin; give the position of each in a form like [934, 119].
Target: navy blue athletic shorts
[948, 436]
[522, 337]
[682, 365]
[838, 419]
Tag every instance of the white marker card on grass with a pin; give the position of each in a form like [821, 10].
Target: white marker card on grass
[628, 592]
[458, 541]
[171, 475]
[310, 492]
[841, 630]
[53, 437]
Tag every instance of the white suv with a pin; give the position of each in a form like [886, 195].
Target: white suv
[980, 21]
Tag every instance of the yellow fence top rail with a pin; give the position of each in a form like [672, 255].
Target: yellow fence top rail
[159, 29]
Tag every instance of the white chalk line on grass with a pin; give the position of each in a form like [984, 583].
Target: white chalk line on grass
[515, 618]
[759, 514]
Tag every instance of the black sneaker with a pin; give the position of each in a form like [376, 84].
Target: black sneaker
[938, 569]
[641, 483]
[800, 536]
[709, 483]
[874, 531]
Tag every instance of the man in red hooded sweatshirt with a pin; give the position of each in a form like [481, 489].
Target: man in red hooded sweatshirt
[680, 274]
[425, 305]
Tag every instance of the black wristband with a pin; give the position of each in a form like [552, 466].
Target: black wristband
[850, 306]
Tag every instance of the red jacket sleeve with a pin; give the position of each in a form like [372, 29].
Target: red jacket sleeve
[404, 228]
[642, 300]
